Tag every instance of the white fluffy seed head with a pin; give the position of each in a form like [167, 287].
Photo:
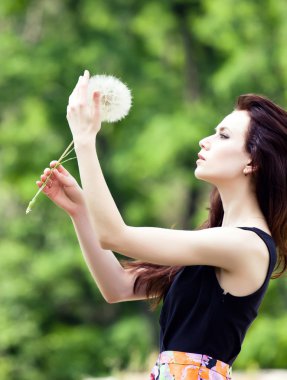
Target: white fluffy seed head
[116, 99]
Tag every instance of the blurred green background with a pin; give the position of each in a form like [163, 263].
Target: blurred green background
[185, 62]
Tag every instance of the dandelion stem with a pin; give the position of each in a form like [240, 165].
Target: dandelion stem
[71, 150]
[68, 159]
[67, 151]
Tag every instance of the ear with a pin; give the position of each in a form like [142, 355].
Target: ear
[249, 169]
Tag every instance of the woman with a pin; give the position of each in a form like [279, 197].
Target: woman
[213, 279]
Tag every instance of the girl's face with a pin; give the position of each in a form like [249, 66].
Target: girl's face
[224, 152]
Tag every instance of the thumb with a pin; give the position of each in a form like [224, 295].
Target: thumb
[63, 179]
[97, 98]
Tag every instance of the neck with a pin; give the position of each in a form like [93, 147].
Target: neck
[240, 205]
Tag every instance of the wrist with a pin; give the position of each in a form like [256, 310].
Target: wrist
[82, 142]
[78, 213]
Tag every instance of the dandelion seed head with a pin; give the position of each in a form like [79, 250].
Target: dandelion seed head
[116, 99]
[30, 205]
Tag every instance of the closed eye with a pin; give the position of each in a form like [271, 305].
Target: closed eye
[222, 136]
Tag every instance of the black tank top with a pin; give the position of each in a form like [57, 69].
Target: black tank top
[198, 317]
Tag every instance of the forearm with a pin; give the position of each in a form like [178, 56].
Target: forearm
[102, 208]
[103, 265]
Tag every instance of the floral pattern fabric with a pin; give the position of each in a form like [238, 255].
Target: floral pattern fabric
[177, 365]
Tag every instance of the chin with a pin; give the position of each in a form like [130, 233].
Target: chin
[199, 174]
[200, 177]
[204, 178]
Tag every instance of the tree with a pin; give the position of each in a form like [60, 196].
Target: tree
[185, 62]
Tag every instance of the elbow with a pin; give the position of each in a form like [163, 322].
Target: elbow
[112, 300]
[111, 240]
[109, 300]
[104, 243]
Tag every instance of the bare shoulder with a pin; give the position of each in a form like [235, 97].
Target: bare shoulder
[231, 248]
[249, 275]
[256, 245]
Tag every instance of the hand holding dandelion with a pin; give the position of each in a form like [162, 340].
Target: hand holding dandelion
[93, 100]
[115, 100]
[96, 99]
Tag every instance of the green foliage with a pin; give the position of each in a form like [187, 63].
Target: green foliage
[185, 62]
[265, 344]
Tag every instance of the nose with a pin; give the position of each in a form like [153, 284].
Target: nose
[204, 143]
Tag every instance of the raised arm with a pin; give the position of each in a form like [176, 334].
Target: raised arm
[227, 247]
[114, 282]
[84, 122]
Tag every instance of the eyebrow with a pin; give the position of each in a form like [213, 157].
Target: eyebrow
[221, 129]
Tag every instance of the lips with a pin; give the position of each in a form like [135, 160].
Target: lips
[201, 157]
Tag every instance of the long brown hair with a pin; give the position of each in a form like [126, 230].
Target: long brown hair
[266, 142]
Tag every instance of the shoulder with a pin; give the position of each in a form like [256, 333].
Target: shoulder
[249, 274]
[230, 248]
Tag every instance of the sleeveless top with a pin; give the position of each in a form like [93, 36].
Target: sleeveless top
[198, 317]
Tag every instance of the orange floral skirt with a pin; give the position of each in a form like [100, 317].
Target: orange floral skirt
[177, 365]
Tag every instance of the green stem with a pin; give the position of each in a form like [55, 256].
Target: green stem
[71, 150]
[67, 151]
[69, 159]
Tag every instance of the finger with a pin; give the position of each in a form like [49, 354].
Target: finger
[60, 168]
[74, 93]
[97, 98]
[47, 177]
[43, 177]
[53, 163]
[63, 171]
[49, 184]
[45, 180]
[46, 190]
[65, 180]
[97, 108]
[41, 183]
[82, 90]
[47, 171]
